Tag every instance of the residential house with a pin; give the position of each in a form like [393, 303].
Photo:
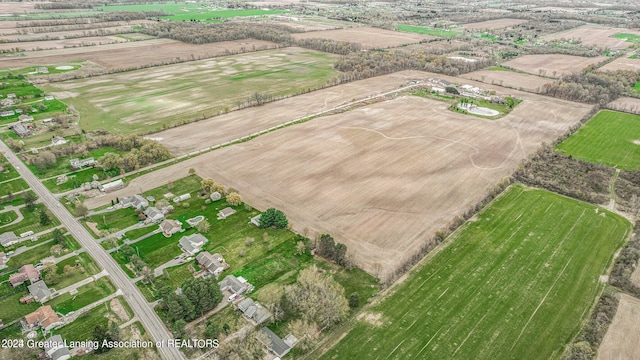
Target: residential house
[58, 140]
[7, 102]
[77, 163]
[135, 201]
[7, 113]
[192, 244]
[114, 185]
[256, 220]
[8, 239]
[42, 70]
[254, 311]
[154, 215]
[275, 345]
[215, 196]
[170, 227]
[56, 349]
[182, 197]
[214, 264]
[225, 213]
[236, 285]
[21, 130]
[439, 90]
[26, 272]
[48, 97]
[43, 318]
[25, 118]
[40, 291]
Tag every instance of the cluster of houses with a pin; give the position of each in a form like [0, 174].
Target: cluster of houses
[469, 91]
[38, 290]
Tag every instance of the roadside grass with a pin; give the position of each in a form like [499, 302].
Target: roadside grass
[31, 221]
[82, 328]
[121, 103]
[87, 294]
[427, 31]
[114, 220]
[33, 256]
[13, 186]
[527, 263]
[11, 309]
[83, 268]
[610, 138]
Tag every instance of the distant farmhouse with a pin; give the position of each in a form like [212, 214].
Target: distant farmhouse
[77, 163]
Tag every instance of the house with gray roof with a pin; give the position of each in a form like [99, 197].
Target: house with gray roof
[276, 345]
[256, 220]
[192, 244]
[213, 263]
[8, 239]
[56, 349]
[170, 227]
[215, 196]
[225, 213]
[254, 311]
[7, 113]
[21, 130]
[154, 215]
[40, 291]
[135, 201]
[77, 163]
[236, 285]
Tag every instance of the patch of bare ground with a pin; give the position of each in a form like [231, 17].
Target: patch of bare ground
[381, 178]
[436, 47]
[493, 24]
[635, 276]
[374, 319]
[94, 227]
[510, 79]
[595, 35]
[135, 53]
[61, 44]
[621, 339]
[61, 35]
[623, 63]
[625, 104]
[118, 309]
[553, 65]
[304, 22]
[367, 37]
[196, 136]
[10, 8]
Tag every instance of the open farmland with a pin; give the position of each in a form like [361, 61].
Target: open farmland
[527, 263]
[610, 138]
[150, 99]
[621, 340]
[623, 63]
[61, 44]
[552, 65]
[367, 37]
[11, 8]
[510, 79]
[135, 54]
[399, 169]
[236, 124]
[626, 104]
[595, 35]
[493, 24]
[61, 35]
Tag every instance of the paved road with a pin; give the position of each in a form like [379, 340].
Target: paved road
[142, 310]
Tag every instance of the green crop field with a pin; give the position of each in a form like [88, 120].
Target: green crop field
[426, 31]
[627, 37]
[191, 11]
[151, 99]
[516, 282]
[609, 138]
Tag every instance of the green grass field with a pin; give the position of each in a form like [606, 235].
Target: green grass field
[11, 309]
[627, 37]
[514, 283]
[609, 138]
[87, 294]
[151, 99]
[31, 221]
[427, 31]
[13, 186]
[191, 11]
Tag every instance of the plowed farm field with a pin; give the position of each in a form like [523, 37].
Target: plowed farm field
[552, 65]
[367, 37]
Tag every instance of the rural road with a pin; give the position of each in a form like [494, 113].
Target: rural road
[138, 303]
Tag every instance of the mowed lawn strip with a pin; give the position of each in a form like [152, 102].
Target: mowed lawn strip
[516, 283]
[610, 138]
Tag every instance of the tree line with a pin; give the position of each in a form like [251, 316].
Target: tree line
[593, 87]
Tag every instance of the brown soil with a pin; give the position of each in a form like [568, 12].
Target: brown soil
[367, 37]
[118, 309]
[509, 79]
[493, 24]
[623, 63]
[630, 105]
[595, 35]
[62, 44]
[17, 7]
[381, 178]
[131, 54]
[61, 35]
[94, 227]
[621, 339]
[552, 65]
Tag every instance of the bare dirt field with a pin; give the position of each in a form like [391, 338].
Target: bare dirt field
[621, 339]
[72, 34]
[595, 35]
[305, 23]
[493, 24]
[553, 65]
[510, 79]
[134, 53]
[368, 37]
[443, 46]
[626, 104]
[623, 63]
[192, 137]
[11, 8]
[635, 277]
[62, 44]
[381, 178]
